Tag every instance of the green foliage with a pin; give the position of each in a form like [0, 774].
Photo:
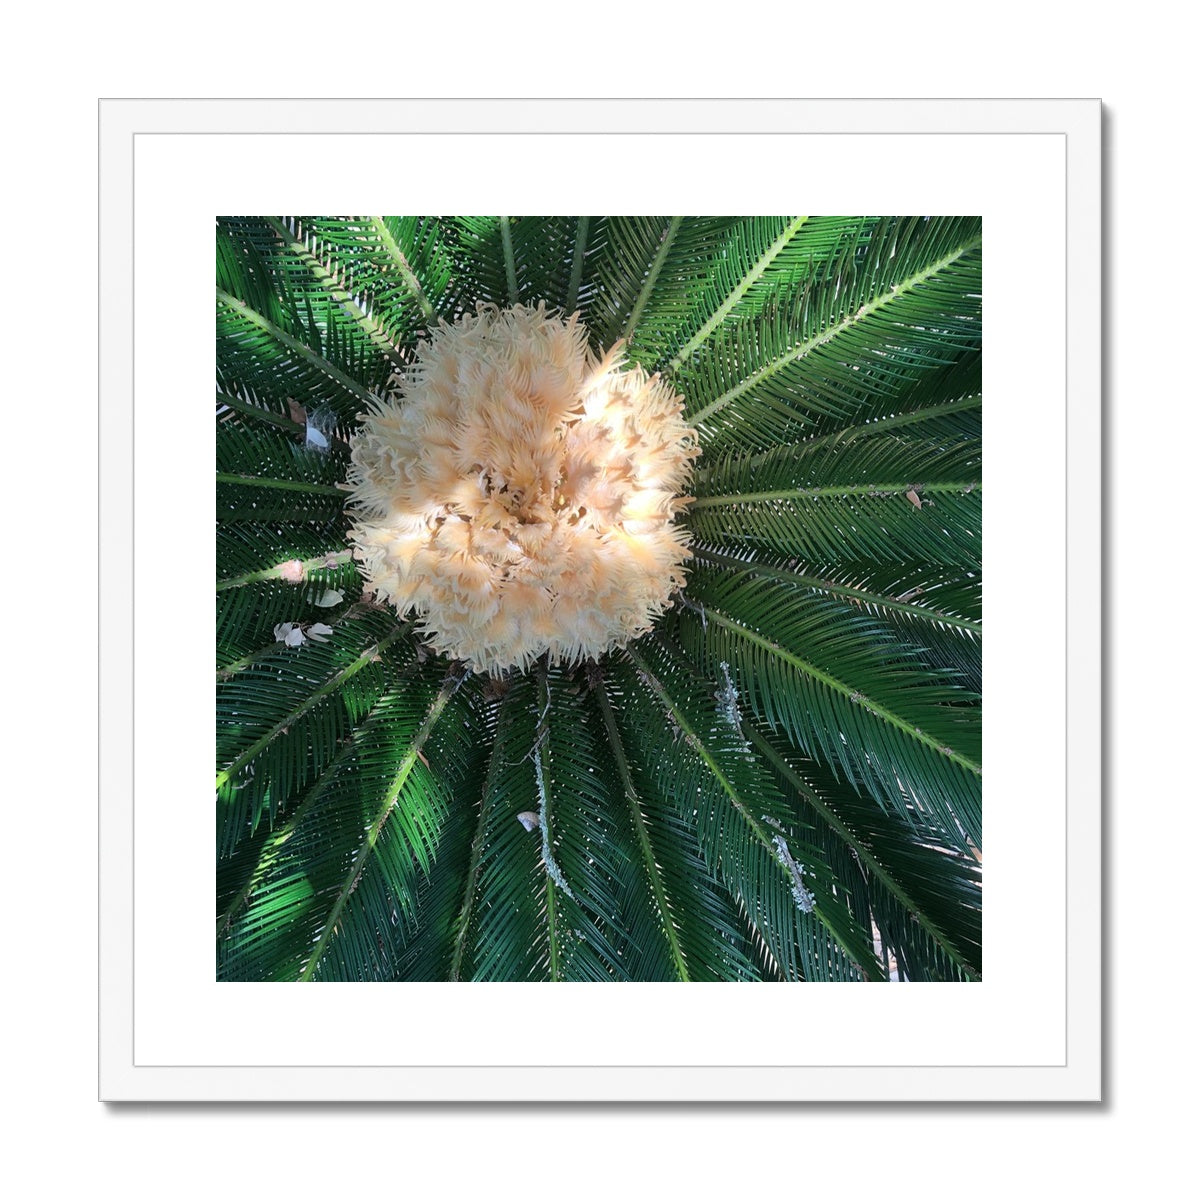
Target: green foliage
[781, 782]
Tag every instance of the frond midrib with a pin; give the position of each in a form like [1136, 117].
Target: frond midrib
[400, 262]
[330, 686]
[838, 491]
[879, 304]
[326, 280]
[748, 280]
[436, 709]
[863, 852]
[647, 288]
[295, 346]
[639, 823]
[696, 743]
[864, 429]
[834, 684]
[471, 883]
[766, 571]
[339, 556]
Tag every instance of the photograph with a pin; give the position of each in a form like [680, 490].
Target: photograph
[599, 599]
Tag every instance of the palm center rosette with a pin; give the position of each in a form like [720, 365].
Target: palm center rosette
[520, 494]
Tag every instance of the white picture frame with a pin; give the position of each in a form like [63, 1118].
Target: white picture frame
[1030, 1031]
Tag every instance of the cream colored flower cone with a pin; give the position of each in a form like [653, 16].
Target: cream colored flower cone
[519, 495]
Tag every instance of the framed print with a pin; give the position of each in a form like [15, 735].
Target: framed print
[599, 599]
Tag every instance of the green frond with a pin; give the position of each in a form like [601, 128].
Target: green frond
[401, 268]
[920, 894]
[502, 934]
[848, 692]
[544, 258]
[586, 245]
[564, 899]
[782, 781]
[712, 936]
[241, 875]
[665, 310]
[378, 901]
[669, 283]
[247, 405]
[893, 497]
[256, 552]
[865, 326]
[657, 951]
[247, 614]
[624, 272]
[763, 260]
[741, 819]
[528, 260]
[483, 265]
[258, 357]
[337, 887]
[949, 423]
[937, 612]
[583, 851]
[298, 318]
[428, 950]
[463, 885]
[281, 719]
[316, 288]
[263, 476]
[949, 599]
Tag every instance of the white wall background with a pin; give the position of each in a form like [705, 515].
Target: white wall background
[61, 1141]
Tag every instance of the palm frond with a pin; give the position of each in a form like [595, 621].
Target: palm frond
[762, 260]
[711, 934]
[502, 928]
[665, 311]
[919, 894]
[893, 497]
[867, 325]
[544, 258]
[262, 475]
[252, 552]
[399, 268]
[848, 691]
[624, 273]
[583, 854]
[552, 812]
[337, 885]
[282, 718]
[782, 781]
[484, 266]
[316, 288]
[654, 937]
[742, 822]
[939, 613]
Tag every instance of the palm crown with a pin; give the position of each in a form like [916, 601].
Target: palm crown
[781, 780]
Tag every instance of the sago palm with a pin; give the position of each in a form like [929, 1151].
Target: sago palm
[484, 715]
